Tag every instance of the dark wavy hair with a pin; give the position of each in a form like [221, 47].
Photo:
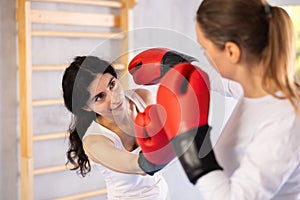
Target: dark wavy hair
[75, 82]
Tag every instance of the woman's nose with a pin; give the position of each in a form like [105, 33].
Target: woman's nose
[109, 97]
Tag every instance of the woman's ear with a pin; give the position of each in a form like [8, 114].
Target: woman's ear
[233, 52]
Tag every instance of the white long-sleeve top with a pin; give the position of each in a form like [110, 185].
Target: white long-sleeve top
[259, 150]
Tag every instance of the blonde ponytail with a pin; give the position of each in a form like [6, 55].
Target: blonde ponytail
[279, 57]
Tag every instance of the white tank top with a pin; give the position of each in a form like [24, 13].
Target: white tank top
[129, 186]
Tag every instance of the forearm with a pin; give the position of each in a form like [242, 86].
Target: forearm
[195, 153]
[102, 151]
[123, 164]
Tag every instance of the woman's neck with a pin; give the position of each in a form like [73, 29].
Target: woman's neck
[253, 88]
[128, 139]
[250, 77]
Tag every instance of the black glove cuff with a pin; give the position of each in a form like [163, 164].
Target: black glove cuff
[195, 152]
[172, 58]
[148, 167]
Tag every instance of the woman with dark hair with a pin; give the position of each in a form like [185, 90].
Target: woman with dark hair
[102, 129]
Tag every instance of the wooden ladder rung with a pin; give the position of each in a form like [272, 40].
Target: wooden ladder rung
[52, 136]
[47, 102]
[47, 170]
[112, 4]
[76, 34]
[49, 67]
[84, 195]
[117, 66]
[74, 18]
[53, 169]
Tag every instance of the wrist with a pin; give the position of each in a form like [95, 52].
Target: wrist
[148, 167]
[195, 152]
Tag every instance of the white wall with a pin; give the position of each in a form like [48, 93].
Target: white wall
[8, 102]
[284, 2]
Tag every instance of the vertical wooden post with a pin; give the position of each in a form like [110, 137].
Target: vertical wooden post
[25, 73]
[124, 46]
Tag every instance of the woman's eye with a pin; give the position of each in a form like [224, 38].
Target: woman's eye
[100, 97]
[112, 84]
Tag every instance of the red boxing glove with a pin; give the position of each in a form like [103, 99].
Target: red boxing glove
[149, 66]
[157, 150]
[184, 94]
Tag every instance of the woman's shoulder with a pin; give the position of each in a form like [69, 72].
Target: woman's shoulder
[98, 131]
[146, 95]
[91, 140]
[280, 115]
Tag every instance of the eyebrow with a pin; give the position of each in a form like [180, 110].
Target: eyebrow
[111, 79]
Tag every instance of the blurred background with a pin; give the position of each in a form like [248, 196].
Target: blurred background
[38, 39]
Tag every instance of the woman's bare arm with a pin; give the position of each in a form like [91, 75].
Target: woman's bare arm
[101, 150]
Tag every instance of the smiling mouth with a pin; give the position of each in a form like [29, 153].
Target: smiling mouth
[118, 106]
